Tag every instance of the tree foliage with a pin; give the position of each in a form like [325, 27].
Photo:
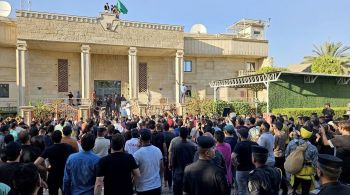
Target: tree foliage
[327, 65]
[329, 54]
[270, 69]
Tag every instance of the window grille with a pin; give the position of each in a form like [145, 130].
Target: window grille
[62, 75]
[143, 77]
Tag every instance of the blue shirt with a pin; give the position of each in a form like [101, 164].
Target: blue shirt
[80, 173]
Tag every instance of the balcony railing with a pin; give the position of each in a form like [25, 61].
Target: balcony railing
[242, 73]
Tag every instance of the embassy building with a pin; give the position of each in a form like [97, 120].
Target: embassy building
[43, 56]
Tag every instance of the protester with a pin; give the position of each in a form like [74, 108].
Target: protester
[132, 145]
[67, 139]
[267, 140]
[304, 180]
[26, 180]
[114, 171]
[11, 164]
[57, 155]
[101, 143]
[225, 150]
[150, 161]
[78, 178]
[242, 156]
[181, 156]
[341, 146]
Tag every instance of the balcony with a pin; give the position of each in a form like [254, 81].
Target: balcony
[242, 73]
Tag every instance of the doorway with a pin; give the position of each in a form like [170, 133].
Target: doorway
[104, 88]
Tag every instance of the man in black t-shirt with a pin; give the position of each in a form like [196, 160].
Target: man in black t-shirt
[181, 156]
[242, 155]
[57, 155]
[7, 170]
[341, 146]
[114, 171]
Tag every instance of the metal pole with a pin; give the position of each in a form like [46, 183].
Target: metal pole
[267, 96]
[215, 98]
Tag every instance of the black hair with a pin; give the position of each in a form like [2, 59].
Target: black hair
[134, 133]
[183, 132]
[252, 120]
[33, 131]
[267, 125]
[243, 132]
[50, 129]
[278, 125]
[38, 141]
[219, 136]
[118, 142]
[26, 179]
[23, 137]
[8, 139]
[67, 130]
[12, 151]
[88, 142]
[260, 158]
[56, 136]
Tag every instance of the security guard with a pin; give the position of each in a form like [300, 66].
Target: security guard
[204, 176]
[329, 169]
[263, 179]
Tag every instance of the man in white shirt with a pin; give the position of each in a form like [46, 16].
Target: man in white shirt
[118, 126]
[132, 145]
[150, 161]
[60, 125]
[183, 92]
[101, 143]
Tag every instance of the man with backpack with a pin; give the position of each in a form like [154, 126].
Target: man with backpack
[301, 161]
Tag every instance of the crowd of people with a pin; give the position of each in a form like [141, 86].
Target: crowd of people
[190, 155]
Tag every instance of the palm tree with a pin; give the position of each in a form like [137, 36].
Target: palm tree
[330, 49]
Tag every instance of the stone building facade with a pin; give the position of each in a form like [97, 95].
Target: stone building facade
[45, 56]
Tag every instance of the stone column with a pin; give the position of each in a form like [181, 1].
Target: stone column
[178, 75]
[21, 63]
[133, 73]
[85, 72]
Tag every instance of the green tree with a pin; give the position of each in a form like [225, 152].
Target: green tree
[329, 52]
[270, 69]
[327, 65]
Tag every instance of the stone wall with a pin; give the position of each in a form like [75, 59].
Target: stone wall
[8, 32]
[161, 79]
[8, 75]
[225, 46]
[63, 28]
[207, 69]
[42, 72]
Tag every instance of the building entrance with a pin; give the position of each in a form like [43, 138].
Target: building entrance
[107, 87]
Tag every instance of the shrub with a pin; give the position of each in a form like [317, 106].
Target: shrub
[270, 69]
[240, 108]
[295, 112]
[209, 107]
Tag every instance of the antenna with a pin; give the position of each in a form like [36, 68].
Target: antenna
[5, 9]
[25, 4]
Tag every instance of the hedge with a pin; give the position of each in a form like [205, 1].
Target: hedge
[210, 107]
[295, 112]
[291, 92]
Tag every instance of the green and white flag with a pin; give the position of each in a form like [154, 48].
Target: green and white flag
[121, 7]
